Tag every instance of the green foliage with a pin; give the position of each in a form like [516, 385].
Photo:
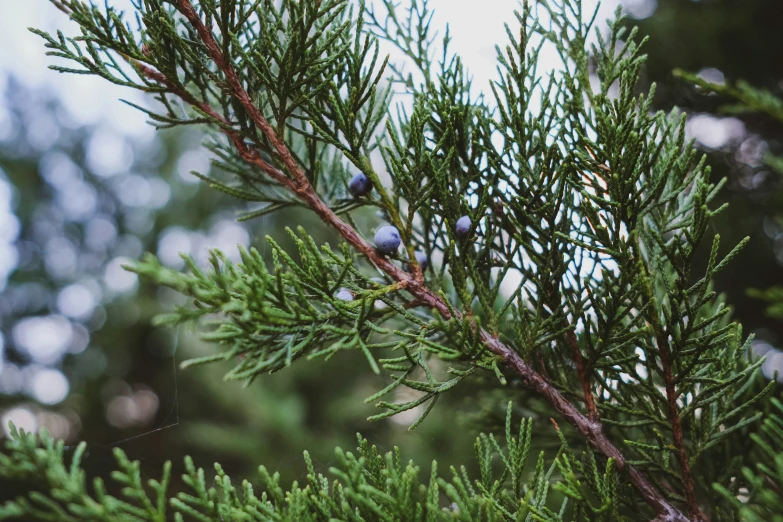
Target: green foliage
[30, 457]
[365, 486]
[747, 99]
[760, 499]
[588, 207]
[270, 318]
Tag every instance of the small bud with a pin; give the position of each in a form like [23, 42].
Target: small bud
[146, 50]
[344, 294]
[387, 239]
[463, 228]
[360, 185]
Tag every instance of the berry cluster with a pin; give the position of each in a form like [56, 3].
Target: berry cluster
[387, 238]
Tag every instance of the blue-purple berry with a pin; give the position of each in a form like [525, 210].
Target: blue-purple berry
[387, 240]
[360, 185]
[422, 259]
[344, 294]
[463, 228]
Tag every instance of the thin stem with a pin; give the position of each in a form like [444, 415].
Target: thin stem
[247, 154]
[665, 355]
[674, 417]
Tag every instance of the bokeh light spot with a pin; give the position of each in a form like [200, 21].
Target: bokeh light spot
[135, 409]
[44, 338]
[173, 241]
[117, 279]
[76, 301]
[108, 153]
[49, 386]
[22, 418]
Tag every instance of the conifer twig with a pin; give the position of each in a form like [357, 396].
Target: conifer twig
[247, 154]
[301, 186]
[674, 416]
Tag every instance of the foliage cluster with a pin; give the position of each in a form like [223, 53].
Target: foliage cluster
[366, 486]
[579, 282]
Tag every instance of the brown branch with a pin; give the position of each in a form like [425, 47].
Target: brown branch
[591, 430]
[300, 185]
[674, 417]
[247, 154]
[582, 374]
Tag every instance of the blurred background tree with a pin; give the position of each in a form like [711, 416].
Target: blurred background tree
[728, 40]
[82, 358]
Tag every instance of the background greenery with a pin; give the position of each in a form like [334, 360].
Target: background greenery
[125, 389]
[736, 40]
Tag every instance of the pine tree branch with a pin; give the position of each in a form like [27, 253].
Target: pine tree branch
[670, 381]
[573, 343]
[247, 154]
[590, 429]
[674, 417]
[365, 486]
